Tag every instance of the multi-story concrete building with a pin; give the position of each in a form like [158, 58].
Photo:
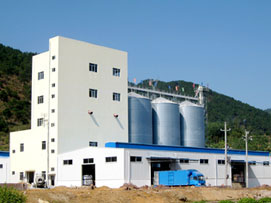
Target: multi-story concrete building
[79, 99]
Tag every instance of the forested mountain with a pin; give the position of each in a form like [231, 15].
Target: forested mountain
[15, 106]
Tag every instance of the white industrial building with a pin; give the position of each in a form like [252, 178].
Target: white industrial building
[4, 167]
[81, 124]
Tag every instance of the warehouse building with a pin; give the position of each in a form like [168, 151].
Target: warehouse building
[85, 125]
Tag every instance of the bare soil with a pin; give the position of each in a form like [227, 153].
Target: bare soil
[144, 194]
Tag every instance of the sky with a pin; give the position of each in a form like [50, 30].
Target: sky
[223, 43]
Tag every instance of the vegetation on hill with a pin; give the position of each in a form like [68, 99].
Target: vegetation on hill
[15, 106]
[15, 92]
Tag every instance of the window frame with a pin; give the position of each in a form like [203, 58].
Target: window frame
[88, 160]
[204, 161]
[116, 96]
[111, 159]
[21, 147]
[21, 175]
[43, 145]
[93, 93]
[41, 75]
[93, 144]
[39, 122]
[116, 72]
[135, 159]
[93, 67]
[40, 99]
[67, 162]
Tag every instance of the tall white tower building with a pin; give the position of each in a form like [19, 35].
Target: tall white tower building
[79, 99]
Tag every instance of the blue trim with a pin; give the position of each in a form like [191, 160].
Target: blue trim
[182, 149]
[4, 154]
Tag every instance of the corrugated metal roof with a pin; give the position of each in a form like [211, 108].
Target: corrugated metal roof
[182, 149]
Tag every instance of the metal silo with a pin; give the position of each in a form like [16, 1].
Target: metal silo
[192, 125]
[166, 122]
[140, 119]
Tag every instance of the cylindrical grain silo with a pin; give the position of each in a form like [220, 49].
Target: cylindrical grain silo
[166, 122]
[192, 124]
[140, 119]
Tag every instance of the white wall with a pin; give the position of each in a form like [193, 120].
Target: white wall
[106, 173]
[5, 170]
[33, 158]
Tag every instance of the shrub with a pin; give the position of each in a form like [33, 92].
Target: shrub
[8, 195]
[247, 200]
[264, 200]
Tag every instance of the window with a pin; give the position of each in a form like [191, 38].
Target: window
[52, 110]
[21, 175]
[13, 172]
[52, 124]
[43, 174]
[67, 162]
[40, 75]
[93, 93]
[52, 169]
[135, 158]
[116, 72]
[21, 147]
[93, 67]
[93, 144]
[13, 151]
[52, 139]
[111, 159]
[116, 96]
[88, 161]
[221, 161]
[52, 151]
[53, 84]
[53, 96]
[204, 161]
[186, 161]
[40, 121]
[1, 165]
[252, 163]
[53, 69]
[40, 99]
[43, 145]
[266, 163]
[53, 57]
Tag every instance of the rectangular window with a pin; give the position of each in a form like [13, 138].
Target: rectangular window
[53, 96]
[221, 162]
[204, 161]
[116, 72]
[52, 124]
[40, 122]
[13, 151]
[52, 139]
[52, 169]
[252, 163]
[186, 161]
[53, 84]
[43, 174]
[135, 158]
[52, 110]
[53, 57]
[13, 172]
[21, 175]
[111, 159]
[21, 147]
[266, 163]
[88, 161]
[52, 151]
[40, 99]
[40, 75]
[53, 69]
[116, 96]
[93, 67]
[67, 162]
[43, 145]
[93, 144]
[1, 165]
[93, 93]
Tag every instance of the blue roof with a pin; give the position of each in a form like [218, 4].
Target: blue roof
[182, 149]
[4, 154]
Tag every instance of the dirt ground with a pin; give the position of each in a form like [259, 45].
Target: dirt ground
[141, 195]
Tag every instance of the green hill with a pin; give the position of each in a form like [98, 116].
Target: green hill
[15, 106]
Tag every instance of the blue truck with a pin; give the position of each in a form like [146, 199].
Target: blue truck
[179, 178]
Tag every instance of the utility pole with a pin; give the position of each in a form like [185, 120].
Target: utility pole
[226, 150]
[246, 140]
